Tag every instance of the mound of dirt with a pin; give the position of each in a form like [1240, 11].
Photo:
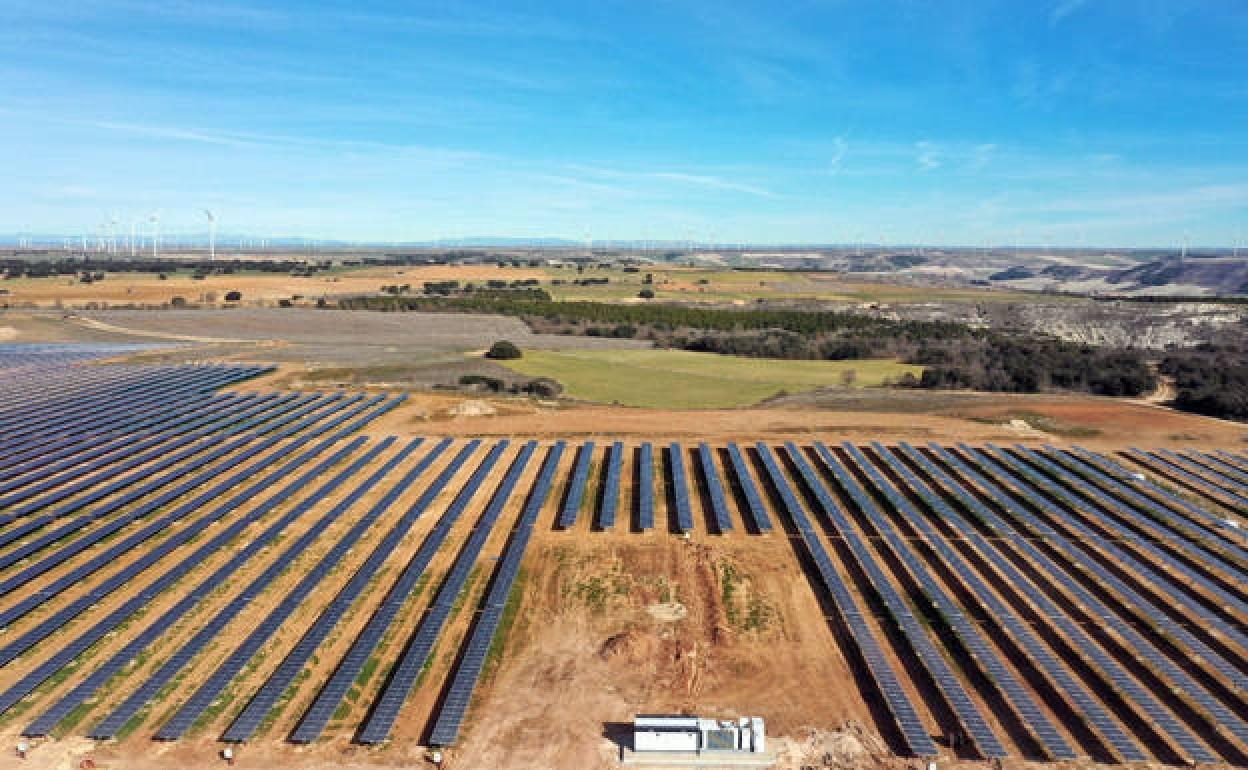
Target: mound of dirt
[472, 408]
[847, 747]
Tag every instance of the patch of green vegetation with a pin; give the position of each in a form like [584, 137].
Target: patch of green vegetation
[505, 622]
[683, 379]
[727, 588]
[367, 670]
[593, 592]
[756, 615]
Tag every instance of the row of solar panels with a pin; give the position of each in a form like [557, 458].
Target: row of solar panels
[1176, 731]
[1027, 483]
[753, 511]
[78, 412]
[258, 482]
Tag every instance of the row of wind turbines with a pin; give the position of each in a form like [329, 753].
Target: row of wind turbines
[108, 241]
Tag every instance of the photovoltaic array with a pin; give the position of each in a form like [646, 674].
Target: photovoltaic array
[184, 557]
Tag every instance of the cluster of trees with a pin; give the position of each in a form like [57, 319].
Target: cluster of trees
[522, 287]
[542, 387]
[1210, 380]
[1030, 364]
[955, 355]
[30, 268]
[670, 318]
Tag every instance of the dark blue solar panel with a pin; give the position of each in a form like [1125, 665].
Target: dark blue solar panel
[576, 486]
[318, 715]
[914, 631]
[121, 660]
[463, 680]
[680, 488]
[982, 653]
[385, 711]
[611, 487]
[913, 731]
[1193, 748]
[645, 486]
[753, 500]
[209, 631]
[122, 578]
[714, 487]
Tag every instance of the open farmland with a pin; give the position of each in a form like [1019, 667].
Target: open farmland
[184, 565]
[681, 379]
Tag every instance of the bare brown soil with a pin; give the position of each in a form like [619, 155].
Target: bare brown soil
[1095, 423]
[256, 288]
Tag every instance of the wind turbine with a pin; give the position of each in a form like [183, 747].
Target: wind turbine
[155, 220]
[212, 235]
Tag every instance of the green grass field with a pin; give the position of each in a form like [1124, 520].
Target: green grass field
[679, 379]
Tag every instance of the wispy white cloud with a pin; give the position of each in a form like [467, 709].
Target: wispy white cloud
[840, 148]
[698, 180]
[165, 132]
[713, 182]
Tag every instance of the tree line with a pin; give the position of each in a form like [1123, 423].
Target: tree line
[954, 354]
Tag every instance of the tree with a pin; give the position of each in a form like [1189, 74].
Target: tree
[503, 350]
[233, 296]
[646, 294]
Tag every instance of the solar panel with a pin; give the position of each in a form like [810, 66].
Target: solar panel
[118, 503]
[1112, 478]
[714, 487]
[645, 486]
[168, 578]
[913, 731]
[80, 605]
[1220, 487]
[950, 686]
[463, 679]
[266, 698]
[611, 487]
[680, 488]
[1191, 577]
[318, 715]
[398, 687]
[124, 546]
[208, 632]
[753, 500]
[1174, 502]
[225, 673]
[1120, 679]
[576, 487]
[1156, 521]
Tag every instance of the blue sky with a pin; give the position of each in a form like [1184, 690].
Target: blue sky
[979, 121]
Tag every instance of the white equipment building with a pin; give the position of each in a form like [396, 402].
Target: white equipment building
[677, 733]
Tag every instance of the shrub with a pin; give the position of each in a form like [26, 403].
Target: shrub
[490, 383]
[646, 294]
[543, 387]
[503, 350]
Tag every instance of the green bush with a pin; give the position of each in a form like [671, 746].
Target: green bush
[503, 350]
